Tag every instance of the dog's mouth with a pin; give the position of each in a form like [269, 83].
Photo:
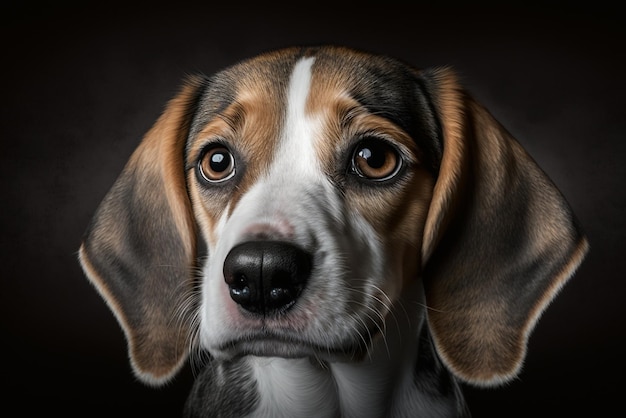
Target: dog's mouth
[271, 345]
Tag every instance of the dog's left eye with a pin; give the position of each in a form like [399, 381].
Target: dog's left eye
[375, 159]
[216, 164]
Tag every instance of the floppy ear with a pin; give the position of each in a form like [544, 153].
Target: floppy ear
[139, 249]
[500, 241]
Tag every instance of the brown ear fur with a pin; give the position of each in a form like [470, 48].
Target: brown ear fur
[139, 250]
[500, 241]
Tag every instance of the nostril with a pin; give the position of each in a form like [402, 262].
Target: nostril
[239, 289]
[242, 269]
[266, 276]
[283, 291]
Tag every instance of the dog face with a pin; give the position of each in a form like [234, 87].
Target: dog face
[329, 187]
[291, 165]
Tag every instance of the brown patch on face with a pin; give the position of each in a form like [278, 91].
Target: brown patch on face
[250, 127]
[396, 211]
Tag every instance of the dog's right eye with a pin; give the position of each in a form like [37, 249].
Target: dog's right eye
[217, 164]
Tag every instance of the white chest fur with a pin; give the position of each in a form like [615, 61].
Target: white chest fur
[298, 388]
[374, 387]
[293, 388]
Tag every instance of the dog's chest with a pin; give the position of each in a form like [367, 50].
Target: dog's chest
[278, 387]
[292, 388]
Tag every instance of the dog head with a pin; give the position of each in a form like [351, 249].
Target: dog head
[325, 184]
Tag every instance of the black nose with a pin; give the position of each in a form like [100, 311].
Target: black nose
[266, 277]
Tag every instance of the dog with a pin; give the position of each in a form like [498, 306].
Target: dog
[338, 233]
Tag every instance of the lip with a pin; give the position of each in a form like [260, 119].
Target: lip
[269, 345]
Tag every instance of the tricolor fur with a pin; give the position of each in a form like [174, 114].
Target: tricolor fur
[431, 264]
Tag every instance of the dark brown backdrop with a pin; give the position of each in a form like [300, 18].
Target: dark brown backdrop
[80, 86]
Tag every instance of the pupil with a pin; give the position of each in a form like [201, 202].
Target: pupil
[374, 160]
[219, 162]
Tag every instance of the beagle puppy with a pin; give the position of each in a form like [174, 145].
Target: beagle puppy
[329, 233]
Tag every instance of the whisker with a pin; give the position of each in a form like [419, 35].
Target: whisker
[361, 336]
[429, 308]
[387, 305]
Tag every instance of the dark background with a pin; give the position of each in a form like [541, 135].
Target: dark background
[80, 86]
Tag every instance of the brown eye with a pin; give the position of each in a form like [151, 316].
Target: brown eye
[375, 159]
[217, 164]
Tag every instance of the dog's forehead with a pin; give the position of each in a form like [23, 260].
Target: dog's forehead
[381, 84]
[254, 94]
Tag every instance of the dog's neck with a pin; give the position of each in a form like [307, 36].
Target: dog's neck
[306, 387]
[400, 374]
